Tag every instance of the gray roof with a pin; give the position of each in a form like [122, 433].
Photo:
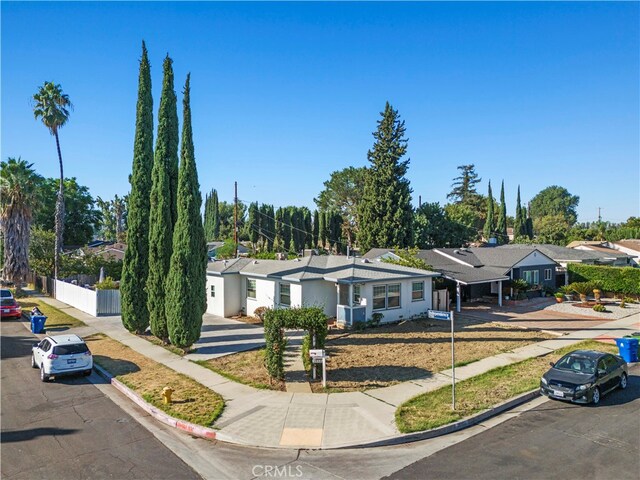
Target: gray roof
[502, 257]
[332, 268]
[462, 273]
[558, 253]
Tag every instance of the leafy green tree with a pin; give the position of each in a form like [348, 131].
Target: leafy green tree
[551, 229]
[18, 194]
[343, 193]
[408, 258]
[225, 210]
[434, 229]
[186, 282]
[52, 106]
[82, 219]
[42, 251]
[467, 216]
[112, 218]
[464, 186]
[501, 227]
[529, 223]
[161, 216]
[632, 222]
[385, 211]
[554, 201]
[489, 227]
[135, 269]
[316, 229]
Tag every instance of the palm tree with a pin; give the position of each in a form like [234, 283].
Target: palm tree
[18, 191]
[52, 107]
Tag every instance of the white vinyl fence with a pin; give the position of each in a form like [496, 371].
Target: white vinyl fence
[93, 302]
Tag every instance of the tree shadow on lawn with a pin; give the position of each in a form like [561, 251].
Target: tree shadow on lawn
[115, 366]
[374, 377]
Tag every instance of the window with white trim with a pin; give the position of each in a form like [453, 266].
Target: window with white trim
[417, 291]
[251, 288]
[532, 277]
[379, 297]
[393, 295]
[356, 295]
[285, 294]
[547, 274]
[213, 291]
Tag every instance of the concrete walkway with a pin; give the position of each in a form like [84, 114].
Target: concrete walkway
[304, 420]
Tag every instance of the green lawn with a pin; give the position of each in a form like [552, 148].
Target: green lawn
[433, 409]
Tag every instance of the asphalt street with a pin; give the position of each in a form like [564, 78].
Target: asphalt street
[554, 440]
[68, 428]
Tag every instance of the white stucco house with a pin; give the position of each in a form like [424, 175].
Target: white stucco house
[349, 289]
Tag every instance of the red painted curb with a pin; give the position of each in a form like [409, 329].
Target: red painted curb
[188, 427]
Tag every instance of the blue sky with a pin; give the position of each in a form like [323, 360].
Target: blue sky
[283, 94]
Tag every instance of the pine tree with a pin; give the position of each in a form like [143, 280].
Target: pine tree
[501, 226]
[135, 266]
[385, 210]
[160, 224]
[489, 227]
[316, 229]
[186, 281]
[518, 226]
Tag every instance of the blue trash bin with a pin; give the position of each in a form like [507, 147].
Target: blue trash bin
[37, 323]
[628, 348]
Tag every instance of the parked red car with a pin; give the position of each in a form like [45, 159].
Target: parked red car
[10, 308]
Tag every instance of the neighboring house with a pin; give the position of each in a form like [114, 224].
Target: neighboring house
[481, 271]
[106, 250]
[347, 288]
[213, 246]
[608, 254]
[631, 247]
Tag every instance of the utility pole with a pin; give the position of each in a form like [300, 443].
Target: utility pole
[235, 220]
[419, 201]
[599, 217]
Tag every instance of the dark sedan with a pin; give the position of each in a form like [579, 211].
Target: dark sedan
[584, 376]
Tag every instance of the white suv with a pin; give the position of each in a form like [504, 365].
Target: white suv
[61, 355]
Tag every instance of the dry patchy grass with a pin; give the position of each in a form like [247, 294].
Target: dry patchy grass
[387, 355]
[433, 409]
[57, 320]
[244, 367]
[192, 401]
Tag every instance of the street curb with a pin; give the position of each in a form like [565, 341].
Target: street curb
[188, 427]
[451, 428]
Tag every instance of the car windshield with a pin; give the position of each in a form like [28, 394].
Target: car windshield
[5, 293]
[8, 302]
[577, 364]
[70, 349]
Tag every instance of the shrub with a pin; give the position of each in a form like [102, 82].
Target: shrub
[599, 308]
[376, 318]
[623, 303]
[581, 288]
[558, 295]
[520, 285]
[628, 300]
[311, 319]
[624, 280]
[106, 284]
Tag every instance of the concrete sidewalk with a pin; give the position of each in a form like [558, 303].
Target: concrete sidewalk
[267, 418]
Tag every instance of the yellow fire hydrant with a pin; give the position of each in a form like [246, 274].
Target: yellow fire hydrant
[166, 394]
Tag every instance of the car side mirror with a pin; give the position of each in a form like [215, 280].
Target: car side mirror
[35, 344]
[553, 364]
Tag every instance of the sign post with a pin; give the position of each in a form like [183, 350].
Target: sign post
[441, 315]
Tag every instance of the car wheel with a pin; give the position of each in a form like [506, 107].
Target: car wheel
[596, 396]
[623, 381]
[43, 376]
[33, 361]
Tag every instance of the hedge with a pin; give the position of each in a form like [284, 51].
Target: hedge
[311, 319]
[611, 279]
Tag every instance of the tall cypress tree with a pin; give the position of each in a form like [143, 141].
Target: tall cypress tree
[286, 228]
[254, 225]
[279, 229]
[160, 223]
[501, 227]
[308, 228]
[216, 216]
[385, 210]
[186, 282]
[271, 227]
[518, 226]
[489, 227]
[316, 229]
[529, 222]
[135, 266]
